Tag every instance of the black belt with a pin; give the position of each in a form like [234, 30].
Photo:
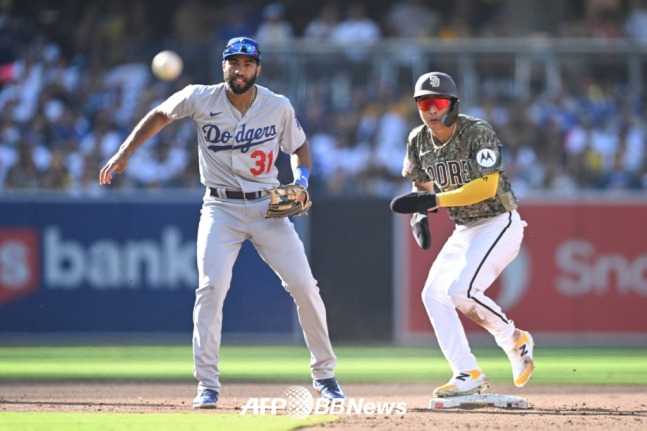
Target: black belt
[232, 194]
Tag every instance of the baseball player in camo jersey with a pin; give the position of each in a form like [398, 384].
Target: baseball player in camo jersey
[241, 128]
[454, 161]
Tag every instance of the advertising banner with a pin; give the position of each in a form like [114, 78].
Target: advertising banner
[582, 268]
[121, 266]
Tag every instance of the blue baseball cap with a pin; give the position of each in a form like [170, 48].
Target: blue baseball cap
[242, 46]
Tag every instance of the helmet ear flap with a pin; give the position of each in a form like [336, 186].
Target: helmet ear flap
[451, 117]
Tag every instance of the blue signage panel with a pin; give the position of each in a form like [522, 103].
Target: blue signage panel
[121, 266]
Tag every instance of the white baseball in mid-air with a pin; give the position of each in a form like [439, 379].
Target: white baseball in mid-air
[167, 65]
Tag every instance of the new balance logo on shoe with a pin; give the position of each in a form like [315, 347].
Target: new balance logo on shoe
[463, 376]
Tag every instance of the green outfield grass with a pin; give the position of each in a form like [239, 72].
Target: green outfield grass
[582, 366]
[157, 422]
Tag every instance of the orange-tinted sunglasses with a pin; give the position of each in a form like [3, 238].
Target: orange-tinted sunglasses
[437, 102]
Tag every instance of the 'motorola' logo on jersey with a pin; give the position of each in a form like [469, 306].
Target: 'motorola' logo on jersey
[243, 140]
[486, 158]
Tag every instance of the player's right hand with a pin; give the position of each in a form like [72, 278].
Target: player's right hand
[117, 163]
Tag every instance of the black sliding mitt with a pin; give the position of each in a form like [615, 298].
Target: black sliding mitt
[414, 202]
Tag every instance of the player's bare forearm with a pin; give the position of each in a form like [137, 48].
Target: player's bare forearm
[148, 127]
[301, 161]
[302, 157]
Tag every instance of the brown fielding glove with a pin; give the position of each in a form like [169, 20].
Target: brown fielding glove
[283, 201]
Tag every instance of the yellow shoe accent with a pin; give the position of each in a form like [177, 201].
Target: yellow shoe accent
[465, 383]
[522, 358]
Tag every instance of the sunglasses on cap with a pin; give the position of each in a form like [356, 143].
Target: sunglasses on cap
[437, 102]
[242, 48]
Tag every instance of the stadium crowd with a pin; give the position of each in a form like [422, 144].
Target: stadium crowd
[73, 79]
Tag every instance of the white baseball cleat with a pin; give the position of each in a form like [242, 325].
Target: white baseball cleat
[465, 383]
[521, 358]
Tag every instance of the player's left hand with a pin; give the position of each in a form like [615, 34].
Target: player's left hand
[302, 196]
[286, 201]
[420, 228]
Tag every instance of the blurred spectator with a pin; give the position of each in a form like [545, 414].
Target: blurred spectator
[139, 26]
[12, 31]
[411, 19]
[125, 84]
[635, 25]
[356, 31]
[323, 25]
[494, 19]
[390, 138]
[605, 18]
[67, 97]
[57, 176]
[560, 181]
[274, 29]
[23, 175]
[605, 143]
[593, 8]
[492, 110]
[111, 29]
[634, 143]
[325, 159]
[192, 21]
[456, 23]
[576, 142]
[643, 175]
[9, 137]
[236, 22]
[103, 140]
[86, 184]
[618, 178]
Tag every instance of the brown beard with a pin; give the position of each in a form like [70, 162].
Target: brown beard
[240, 90]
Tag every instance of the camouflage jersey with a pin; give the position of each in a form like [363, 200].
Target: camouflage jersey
[474, 151]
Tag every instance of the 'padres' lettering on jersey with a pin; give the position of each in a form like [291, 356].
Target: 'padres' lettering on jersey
[235, 151]
[450, 172]
[473, 152]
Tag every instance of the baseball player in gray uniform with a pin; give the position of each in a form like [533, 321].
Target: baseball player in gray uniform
[241, 128]
[454, 161]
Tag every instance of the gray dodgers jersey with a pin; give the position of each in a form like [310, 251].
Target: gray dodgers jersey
[238, 152]
[473, 152]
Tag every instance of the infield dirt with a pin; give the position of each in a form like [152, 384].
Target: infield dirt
[551, 407]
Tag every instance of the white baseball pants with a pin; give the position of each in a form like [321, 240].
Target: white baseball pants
[468, 263]
[224, 225]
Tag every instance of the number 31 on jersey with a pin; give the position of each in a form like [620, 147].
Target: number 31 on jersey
[263, 163]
